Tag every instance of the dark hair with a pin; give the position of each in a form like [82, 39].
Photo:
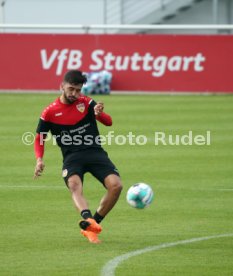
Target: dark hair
[75, 77]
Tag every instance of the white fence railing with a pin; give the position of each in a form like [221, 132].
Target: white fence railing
[101, 27]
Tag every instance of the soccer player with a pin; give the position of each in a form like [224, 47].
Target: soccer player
[71, 118]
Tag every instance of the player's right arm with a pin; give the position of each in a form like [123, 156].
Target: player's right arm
[42, 130]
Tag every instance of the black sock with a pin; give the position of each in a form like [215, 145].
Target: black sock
[97, 217]
[86, 214]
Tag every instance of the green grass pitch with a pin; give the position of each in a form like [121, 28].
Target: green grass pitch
[192, 184]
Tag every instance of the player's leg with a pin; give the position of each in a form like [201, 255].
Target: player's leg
[73, 173]
[106, 172]
[113, 185]
[89, 227]
[75, 186]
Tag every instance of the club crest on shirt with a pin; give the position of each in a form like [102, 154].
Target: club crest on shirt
[80, 107]
[64, 173]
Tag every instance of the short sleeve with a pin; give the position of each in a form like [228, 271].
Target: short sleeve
[92, 103]
[43, 127]
[89, 103]
[44, 124]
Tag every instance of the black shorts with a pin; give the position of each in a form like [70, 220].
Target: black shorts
[94, 160]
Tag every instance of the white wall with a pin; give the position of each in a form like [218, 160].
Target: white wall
[2, 11]
[92, 12]
[54, 11]
[202, 13]
[199, 13]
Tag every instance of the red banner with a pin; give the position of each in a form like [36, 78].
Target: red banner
[198, 63]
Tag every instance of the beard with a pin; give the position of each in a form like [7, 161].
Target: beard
[70, 99]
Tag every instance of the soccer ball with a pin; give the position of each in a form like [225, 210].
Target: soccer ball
[140, 195]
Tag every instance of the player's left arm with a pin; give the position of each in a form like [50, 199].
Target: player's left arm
[101, 116]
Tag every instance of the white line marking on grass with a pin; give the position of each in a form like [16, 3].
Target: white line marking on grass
[110, 267]
[19, 187]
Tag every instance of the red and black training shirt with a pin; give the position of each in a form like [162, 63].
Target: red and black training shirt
[72, 125]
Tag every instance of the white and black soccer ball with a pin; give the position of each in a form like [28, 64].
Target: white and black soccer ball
[140, 195]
